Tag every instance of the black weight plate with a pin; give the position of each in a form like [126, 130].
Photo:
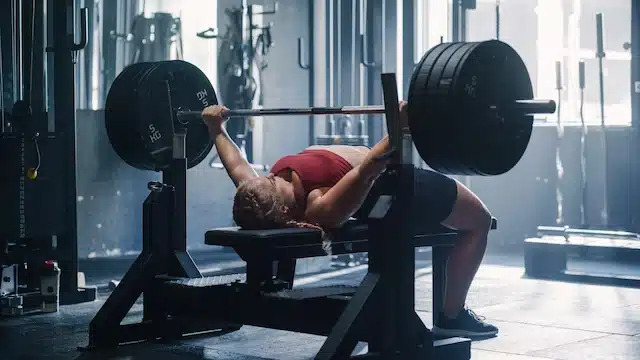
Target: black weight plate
[417, 101]
[490, 75]
[452, 148]
[121, 117]
[431, 133]
[418, 105]
[155, 125]
[144, 158]
[170, 86]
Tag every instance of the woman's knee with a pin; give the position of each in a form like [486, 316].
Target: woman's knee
[469, 213]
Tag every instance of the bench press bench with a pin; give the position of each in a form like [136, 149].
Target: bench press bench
[271, 254]
[179, 301]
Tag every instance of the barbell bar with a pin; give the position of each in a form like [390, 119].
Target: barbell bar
[525, 107]
[470, 108]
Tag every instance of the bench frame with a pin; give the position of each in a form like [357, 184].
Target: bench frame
[380, 311]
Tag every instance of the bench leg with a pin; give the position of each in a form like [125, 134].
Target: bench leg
[344, 336]
[440, 257]
[286, 271]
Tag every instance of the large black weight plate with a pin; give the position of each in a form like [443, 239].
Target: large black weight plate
[170, 86]
[121, 116]
[140, 113]
[494, 74]
[438, 94]
[453, 124]
[425, 99]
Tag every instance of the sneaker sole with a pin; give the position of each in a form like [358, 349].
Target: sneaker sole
[462, 333]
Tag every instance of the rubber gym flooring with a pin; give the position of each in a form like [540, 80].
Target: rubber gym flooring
[537, 320]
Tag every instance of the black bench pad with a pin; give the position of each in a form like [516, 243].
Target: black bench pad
[350, 238]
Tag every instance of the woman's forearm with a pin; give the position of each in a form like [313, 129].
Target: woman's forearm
[342, 200]
[371, 167]
[231, 157]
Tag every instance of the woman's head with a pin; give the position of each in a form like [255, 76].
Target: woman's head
[269, 202]
[264, 202]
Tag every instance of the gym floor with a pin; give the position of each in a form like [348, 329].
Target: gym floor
[537, 320]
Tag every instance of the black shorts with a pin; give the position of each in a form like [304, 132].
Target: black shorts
[435, 195]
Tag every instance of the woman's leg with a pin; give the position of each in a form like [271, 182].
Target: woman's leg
[445, 200]
[473, 221]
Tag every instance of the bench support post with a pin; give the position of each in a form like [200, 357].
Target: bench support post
[164, 252]
[386, 297]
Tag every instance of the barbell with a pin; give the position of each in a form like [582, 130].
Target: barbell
[470, 109]
[530, 107]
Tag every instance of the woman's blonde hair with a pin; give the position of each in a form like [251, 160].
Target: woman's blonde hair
[257, 206]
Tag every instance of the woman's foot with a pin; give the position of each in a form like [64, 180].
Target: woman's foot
[466, 324]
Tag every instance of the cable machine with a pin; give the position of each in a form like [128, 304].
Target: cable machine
[38, 242]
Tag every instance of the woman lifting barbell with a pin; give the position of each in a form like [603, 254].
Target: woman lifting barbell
[323, 186]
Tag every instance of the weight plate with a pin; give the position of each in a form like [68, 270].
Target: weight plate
[452, 149]
[490, 75]
[454, 98]
[418, 104]
[428, 128]
[170, 86]
[121, 115]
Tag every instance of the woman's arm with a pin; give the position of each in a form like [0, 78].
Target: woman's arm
[237, 167]
[340, 202]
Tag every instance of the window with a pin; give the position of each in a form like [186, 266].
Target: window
[546, 31]
[433, 25]
[195, 16]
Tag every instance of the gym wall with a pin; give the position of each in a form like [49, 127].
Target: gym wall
[111, 193]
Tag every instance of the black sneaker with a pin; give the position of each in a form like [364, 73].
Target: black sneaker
[466, 324]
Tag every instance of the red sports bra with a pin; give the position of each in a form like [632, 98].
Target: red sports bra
[316, 168]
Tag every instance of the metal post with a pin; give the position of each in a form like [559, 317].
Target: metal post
[635, 112]
[455, 20]
[463, 23]
[16, 49]
[409, 43]
[64, 115]
[600, 54]
[374, 16]
[109, 19]
[635, 64]
[65, 125]
[311, 65]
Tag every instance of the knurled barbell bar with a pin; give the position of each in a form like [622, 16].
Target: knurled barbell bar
[470, 110]
[526, 107]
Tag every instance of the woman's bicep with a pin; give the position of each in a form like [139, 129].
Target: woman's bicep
[318, 209]
[334, 207]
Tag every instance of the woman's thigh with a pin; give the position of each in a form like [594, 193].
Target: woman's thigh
[433, 200]
[435, 196]
[438, 199]
[468, 211]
